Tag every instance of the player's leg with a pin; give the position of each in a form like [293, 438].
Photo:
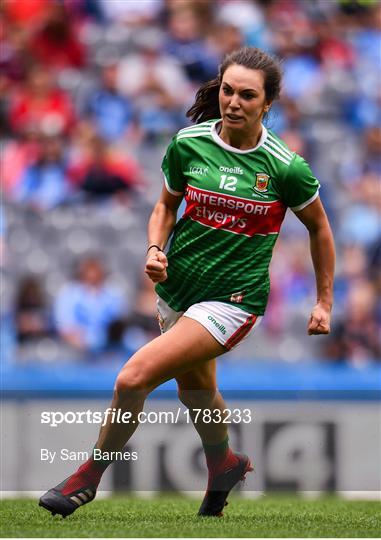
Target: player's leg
[185, 346]
[197, 390]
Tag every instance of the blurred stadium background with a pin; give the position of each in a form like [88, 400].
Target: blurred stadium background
[91, 91]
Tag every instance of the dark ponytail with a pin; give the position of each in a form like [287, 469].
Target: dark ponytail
[206, 105]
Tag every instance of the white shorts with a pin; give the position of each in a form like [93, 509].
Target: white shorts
[228, 324]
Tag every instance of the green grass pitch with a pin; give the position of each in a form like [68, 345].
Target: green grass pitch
[269, 516]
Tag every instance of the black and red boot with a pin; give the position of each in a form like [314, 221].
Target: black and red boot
[78, 489]
[220, 484]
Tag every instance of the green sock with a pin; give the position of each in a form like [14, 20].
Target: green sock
[216, 450]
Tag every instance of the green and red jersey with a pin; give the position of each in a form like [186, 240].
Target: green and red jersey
[236, 201]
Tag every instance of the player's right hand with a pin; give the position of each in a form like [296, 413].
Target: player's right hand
[156, 266]
[319, 322]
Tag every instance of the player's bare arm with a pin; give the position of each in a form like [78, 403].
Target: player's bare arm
[323, 257]
[160, 226]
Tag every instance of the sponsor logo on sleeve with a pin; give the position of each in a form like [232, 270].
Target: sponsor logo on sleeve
[237, 297]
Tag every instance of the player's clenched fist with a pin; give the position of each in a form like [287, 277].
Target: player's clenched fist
[319, 322]
[156, 266]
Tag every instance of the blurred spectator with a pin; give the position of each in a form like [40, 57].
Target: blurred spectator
[295, 142]
[302, 75]
[361, 219]
[43, 184]
[15, 54]
[84, 10]
[298, 283]
[248, 19]
[372, 157]
[16, 155]
[111, 111]
[56, 45]
[356, 337]
[292, 284]
[332, 49]
[4, 105]
[186, 43]
[31, 13]
[40, 105]
[223, 39]
[87, 307]
[374, 273]
[142, 325]
[101, 171]
[363, 159]
[131, 13]
[32, 317]
[3, 243]
[157, 84]
[351, 268]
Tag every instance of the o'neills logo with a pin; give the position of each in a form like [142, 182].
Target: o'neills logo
[220, 327]
[231, 170]
[261, 182]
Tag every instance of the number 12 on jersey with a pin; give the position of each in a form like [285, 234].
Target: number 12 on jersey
[228, 182]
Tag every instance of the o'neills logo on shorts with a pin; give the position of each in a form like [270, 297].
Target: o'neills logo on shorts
[218, 325]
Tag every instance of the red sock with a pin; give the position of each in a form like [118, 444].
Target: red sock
[219, 457]
[89, 473]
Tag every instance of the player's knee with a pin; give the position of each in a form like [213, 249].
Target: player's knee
[130, 382]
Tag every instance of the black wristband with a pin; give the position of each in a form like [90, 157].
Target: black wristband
[154, 245]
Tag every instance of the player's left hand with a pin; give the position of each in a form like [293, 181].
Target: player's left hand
[320, 321]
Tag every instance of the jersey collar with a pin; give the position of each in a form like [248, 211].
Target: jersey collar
[217, 139]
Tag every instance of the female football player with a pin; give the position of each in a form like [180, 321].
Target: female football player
[238, 179]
